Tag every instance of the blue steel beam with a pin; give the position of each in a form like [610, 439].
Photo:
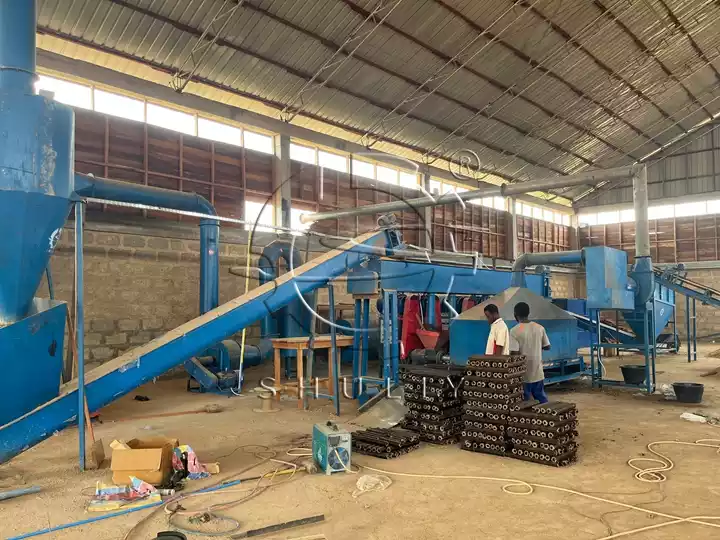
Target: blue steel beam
[138, 366]
[412, 277]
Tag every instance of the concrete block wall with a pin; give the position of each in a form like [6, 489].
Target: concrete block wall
[708, 317]
[139, 284]
[565, 286]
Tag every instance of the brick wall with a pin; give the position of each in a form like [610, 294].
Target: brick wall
[708, 317]
[139, 282]
[565, 285]
[142, 279]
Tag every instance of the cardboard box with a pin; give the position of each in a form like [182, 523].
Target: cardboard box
[148, 459]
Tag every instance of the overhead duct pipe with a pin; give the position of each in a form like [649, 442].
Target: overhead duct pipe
[642, 271]
[113, 190]
[589, 177]
[535, 259]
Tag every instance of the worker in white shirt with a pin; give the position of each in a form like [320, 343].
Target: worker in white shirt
[530, 339]
[499, 339]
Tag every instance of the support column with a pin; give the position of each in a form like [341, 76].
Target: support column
[511, 238]
[282, 196]
[574, 233]
[426, 212]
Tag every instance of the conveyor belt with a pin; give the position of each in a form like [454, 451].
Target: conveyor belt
[138, 366]
[619, 335]
[687, 287]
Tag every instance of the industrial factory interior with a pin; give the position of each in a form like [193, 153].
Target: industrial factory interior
[360, 269]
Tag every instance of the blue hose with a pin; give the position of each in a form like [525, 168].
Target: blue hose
[114, 514]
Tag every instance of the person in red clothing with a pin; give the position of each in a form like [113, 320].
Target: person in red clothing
[499, 339]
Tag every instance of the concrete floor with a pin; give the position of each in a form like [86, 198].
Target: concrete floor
[615, 426]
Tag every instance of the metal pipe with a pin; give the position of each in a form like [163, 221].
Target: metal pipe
[80, 329]
[365, 344]
[642, 271]
[356, 348]
[553, 182]
[534, 259]
[640, 202]
[5, 495]
[588, 177]
[17, 45]
[113, 190]
[395, 348]
[400, 205]
[334, 357]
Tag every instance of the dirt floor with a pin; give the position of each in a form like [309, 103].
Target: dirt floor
[615, 425]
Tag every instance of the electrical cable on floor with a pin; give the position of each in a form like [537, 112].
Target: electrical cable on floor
[652, 474]
[263, 453]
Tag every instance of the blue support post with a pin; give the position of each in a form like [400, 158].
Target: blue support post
[599, 346]
[694, 329]
[386, 337]
[333, 349]
[593, 374]
[649, 334]
[688, 339]
[356, 348]
[80, 330]
[675, 330]
[395, 349]
[365, 343]
[209, 264]
[431, 311]
[654, 345]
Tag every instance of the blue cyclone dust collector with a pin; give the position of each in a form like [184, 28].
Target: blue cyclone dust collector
[36, 179]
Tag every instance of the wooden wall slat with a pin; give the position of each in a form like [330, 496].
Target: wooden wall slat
[680, 239]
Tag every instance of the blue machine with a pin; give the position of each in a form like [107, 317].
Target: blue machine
[608, 285]
[218, 368]
[470, 330]
[36, 187]
[389, 278]
[138, 366]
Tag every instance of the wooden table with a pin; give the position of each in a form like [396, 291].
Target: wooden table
[301, 344]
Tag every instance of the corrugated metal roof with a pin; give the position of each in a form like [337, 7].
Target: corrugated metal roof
[535, 87]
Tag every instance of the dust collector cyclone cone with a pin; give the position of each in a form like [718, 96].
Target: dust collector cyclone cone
[33, 222]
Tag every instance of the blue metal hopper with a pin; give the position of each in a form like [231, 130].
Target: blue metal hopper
[664, 305]
[36, 221]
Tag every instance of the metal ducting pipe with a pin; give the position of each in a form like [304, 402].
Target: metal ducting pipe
[535, 259]
[642, 271]
[113, 190]
[589, 177]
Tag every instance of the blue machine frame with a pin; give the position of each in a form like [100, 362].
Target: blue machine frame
[389, 278]
[138, 366]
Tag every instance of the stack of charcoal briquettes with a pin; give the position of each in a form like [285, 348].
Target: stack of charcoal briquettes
[544, 433]
[492, 388]
[385, 443]
[433, 402]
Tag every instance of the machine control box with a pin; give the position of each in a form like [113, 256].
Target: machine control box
[608, 285]
[331, 447]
